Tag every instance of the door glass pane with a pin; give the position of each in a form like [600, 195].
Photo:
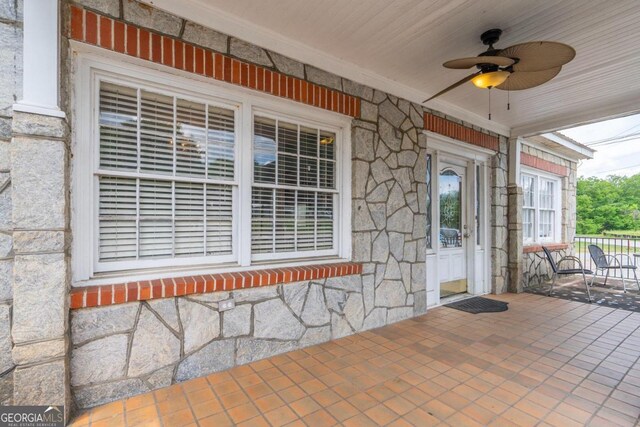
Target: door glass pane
[428, 201]
[450, 209]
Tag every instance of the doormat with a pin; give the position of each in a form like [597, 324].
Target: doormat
[477, 305]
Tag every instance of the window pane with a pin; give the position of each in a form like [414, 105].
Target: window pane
[308, 172]
[327, 173]
[156, 133]
[308, 142]
[118, 127]
[325, 215]
[221, 143]
[219, 219]
[285, 220]
[264, 150]
[305, 227]
[156, 228]
[527, 223]
[189, 219]
[450, 209]
[528, 183]
[262, 220]
[117, 219]
[327, 145]
[546, 194]
[191, 139]
[546, 224]
[287, 138]
[428, 195]
[287, 169]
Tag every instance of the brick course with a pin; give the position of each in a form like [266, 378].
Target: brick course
[122, 37]
[102, 295]
[460, 132]
[543, 165]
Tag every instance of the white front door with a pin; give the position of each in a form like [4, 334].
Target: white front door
[453, 233]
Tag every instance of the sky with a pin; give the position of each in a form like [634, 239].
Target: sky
[619, 156]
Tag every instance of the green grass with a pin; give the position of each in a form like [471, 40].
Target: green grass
[631, 233]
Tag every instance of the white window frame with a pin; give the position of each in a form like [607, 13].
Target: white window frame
[92, 65]
[538, 176]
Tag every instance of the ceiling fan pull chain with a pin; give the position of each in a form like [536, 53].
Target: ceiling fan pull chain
[489, 103]
[508, 100]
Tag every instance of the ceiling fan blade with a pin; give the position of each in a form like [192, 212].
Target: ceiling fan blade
[453, 86]
[464, 63]
[538, 56]
[519, 80]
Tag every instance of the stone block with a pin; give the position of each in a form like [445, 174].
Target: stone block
[38, 180]
[401, 221]
[363, 144]
[362, 220]
[150, 17]
[339, 326]
[418, 277]
[391, 113]
[10, 66]
[39, 297]
[272, 319]
[380, 171]
[390, 135]
[216, 356]
[324, 78]
[376, 319]
[39, 351]
[249, 52]
[163, 377]
[379, 215]
[93, 395]
[255, 294]
[111, 8]
[251, 349]
[392, 271]
[6, 279]
[357, 89]
[92, 323]
[237, 322]
[26, 242]
[315, 336]
[99, 361]
[368, 111]
[5, 154]
[153, 346]
[6, 245]
[294, 295]
[6, 389]
[420, 303]
[336, 299]
[287, 65]
[29, 124]
[361, 247]
[44, 384]
[354, 311]
[398, 314]
[351, 283]
[315, 312]
[379, 194]
[390, 293]
[6, 361]
[205, 37]
[368, 292]
[380, 249]
[360, 171]
[167, 310]
[200, 324]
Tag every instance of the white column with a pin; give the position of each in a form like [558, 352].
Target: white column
[41, 64]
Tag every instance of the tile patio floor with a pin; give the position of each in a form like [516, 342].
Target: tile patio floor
[545, 361]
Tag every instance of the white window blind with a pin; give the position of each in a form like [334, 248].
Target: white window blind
[294, 193]
[165, 178]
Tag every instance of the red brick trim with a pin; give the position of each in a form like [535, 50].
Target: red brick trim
[122, 37]
[454, 130]
[543, 165]
[538, 248]
[102, 295]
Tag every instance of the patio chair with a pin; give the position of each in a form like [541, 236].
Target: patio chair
[607, 263]
[569, 271]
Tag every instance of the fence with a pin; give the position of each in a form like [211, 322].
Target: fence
[611, 246]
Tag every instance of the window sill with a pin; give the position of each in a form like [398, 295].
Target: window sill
[120, 293]
[537, 247]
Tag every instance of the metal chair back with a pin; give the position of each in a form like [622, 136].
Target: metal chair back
[598, 256]
[547, 252]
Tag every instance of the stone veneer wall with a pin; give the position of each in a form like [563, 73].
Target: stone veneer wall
[10, 92]
[131, 348]
[535, 267]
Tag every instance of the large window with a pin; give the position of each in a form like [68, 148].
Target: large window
[540, 208]
[179, 180]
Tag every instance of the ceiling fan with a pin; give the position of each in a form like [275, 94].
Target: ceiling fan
[521, 66]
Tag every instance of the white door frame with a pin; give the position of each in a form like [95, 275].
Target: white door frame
[441, 147]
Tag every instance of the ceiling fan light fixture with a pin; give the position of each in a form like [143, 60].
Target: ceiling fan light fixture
[490, 79]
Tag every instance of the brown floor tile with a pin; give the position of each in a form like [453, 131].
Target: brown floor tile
[304, 406]
[342, 410]
[269, 402]
[381, 414]
[217, 420]
[280, 416]
[320, 418]
[243, 412]
[179, 418]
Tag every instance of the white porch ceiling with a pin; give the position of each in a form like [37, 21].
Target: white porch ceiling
[399, 46]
